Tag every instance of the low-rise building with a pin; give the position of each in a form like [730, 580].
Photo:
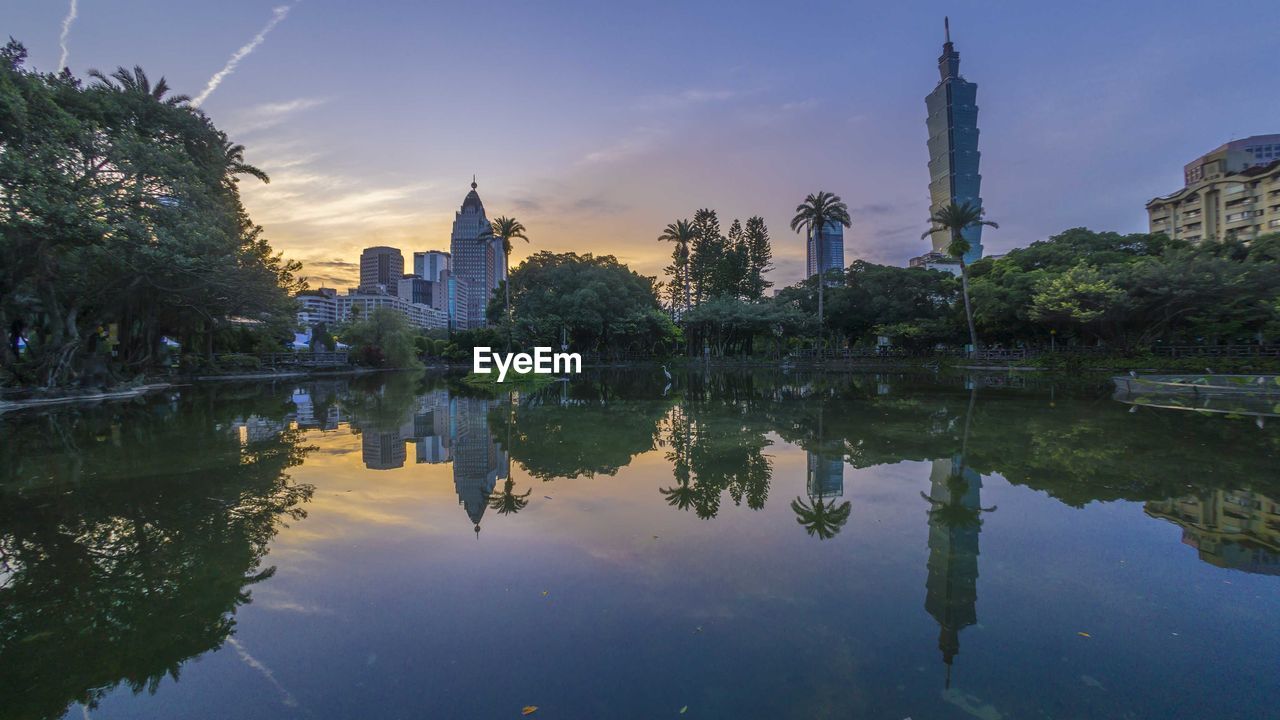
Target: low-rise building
[317, 306]
[1231, 192]
[354, 305]
[936, 261]
[332, 308]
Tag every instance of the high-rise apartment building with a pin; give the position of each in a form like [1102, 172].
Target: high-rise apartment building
[832, 239]
[431, 264]
[380, 270]
[475, 261]
[953, 146]
[1232, 191]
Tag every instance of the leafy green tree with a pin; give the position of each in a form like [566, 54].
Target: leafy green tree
[121, 225]
[384, 338]
[812, 217]
[1080, 297]
[954, 219]
[874, 297]
[599, 304]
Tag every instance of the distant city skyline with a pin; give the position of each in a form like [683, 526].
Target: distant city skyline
[604, 137]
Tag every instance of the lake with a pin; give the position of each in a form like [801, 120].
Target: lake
[726, 545]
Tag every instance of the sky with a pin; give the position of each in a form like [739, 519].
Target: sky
[596, 124]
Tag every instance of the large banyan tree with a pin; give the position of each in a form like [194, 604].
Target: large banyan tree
[120, 225]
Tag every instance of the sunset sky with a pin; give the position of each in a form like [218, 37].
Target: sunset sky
[596, 123]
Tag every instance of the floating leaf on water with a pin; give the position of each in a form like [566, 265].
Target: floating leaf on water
[1084, 634]
[546, 593]
[684, 709]
[529, 710]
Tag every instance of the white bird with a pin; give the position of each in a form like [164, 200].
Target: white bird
[1208, 371]
[664, 372]
[1133, 373]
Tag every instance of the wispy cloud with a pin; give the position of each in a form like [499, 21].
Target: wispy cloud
[72, 13]
[639, 141]
[285, 696]
[277, 15]
[269, 115]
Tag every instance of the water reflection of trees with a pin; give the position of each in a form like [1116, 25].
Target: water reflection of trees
[130, 534]
[715, 428]
[714, 451]
[583, 429]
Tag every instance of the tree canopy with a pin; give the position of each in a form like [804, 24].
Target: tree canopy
[121, 224]
[595, 302]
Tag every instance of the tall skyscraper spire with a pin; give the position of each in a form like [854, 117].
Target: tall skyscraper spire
[953, 144]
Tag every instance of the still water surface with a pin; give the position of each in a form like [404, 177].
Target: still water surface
[731, 546]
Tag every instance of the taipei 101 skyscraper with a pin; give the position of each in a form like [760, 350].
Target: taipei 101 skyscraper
[953, 145]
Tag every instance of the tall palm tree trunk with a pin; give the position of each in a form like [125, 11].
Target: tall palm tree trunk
[822, 325]
[506, 290]
[968, 310]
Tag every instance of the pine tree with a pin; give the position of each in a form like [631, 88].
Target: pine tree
[759, 257]
[707, 251]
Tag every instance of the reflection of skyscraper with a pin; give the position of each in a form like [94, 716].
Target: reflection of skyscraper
[382, 450]
[825, 478]
[433, 428]
[478, 462]
[1229, 528]
[951, 591]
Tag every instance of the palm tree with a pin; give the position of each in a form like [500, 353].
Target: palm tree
[508, 502]
[821, 517]
[954, 219]
[233, 160]
[812, 217]
[507, 229]
[136, 81]
[681, 233]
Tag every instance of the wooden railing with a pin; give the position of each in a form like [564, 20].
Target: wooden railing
[293, 359]
[1229, 351]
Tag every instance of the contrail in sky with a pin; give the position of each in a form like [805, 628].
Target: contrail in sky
[66, 31]
[278, 14]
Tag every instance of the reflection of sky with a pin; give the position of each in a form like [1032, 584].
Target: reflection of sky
[387, 605]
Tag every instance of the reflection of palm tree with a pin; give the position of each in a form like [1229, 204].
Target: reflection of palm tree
[821, 517]
[508, 502]
[681, 496]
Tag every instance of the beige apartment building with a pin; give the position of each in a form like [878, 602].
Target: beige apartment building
[1231, 192]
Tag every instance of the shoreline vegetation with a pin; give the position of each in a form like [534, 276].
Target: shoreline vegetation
[134, 262]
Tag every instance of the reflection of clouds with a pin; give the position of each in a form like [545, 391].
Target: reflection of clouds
[285, 696]
[295, 607]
